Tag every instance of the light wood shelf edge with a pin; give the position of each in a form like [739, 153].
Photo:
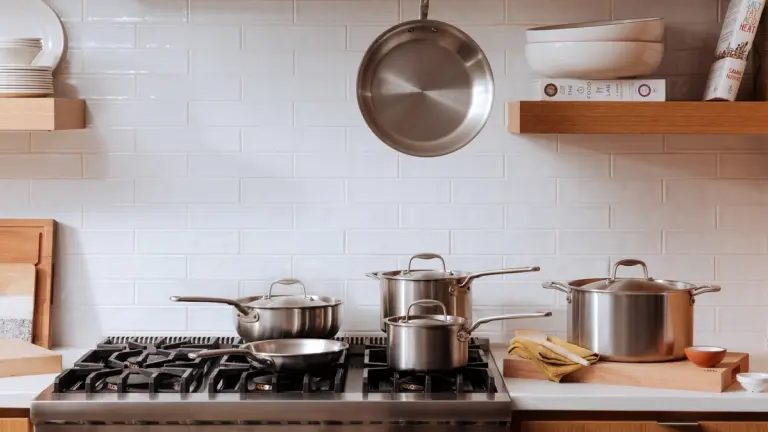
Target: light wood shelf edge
[731, 118]
[41, 114]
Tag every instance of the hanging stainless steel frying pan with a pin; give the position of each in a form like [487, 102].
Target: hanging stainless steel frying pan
[425, 87]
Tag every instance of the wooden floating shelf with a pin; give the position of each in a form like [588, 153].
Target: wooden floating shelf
[41, 114]
[732, 118]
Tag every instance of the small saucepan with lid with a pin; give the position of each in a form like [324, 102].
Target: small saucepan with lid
[281, 316]
[426, 343]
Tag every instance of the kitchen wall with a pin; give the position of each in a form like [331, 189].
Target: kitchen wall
[225, 149]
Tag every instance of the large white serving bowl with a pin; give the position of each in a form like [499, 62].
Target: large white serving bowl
[18, 55]
[631, 30]
[594, 60]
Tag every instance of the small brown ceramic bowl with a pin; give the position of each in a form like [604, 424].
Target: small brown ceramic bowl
[705, 356]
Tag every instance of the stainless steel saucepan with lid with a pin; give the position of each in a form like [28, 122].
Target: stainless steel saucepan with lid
[434, 342]
[399, 289]
[631, 319]
[281, 316]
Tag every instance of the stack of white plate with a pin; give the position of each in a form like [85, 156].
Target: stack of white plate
[25, 81]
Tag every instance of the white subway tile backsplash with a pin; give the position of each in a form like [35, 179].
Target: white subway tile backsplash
[742, 217]
[343, 11]
[240, 11]
[187, 140]
[716, 143]
[741, 268]
[35, 166]
[346, 166]
[398, 191]
[77, 241]
[226, 37]
[292, 242]
[240, 165]
[452, 166]
[356, 216]
[99, 216]
[532, 191]
[711, 191]
[211, 318]
[685, 11]
[67, 10]
[184, 88]
[82, 191]
[327, 114]
[99, 293]
[333, 267]
[360, 37]
[135, 62]
[187, 242]
[323, 87]
[557, 11]
[662, 216]
[305, 37]
[714, 242]
[294, 140]
[133, 165]
[672, 267]
[96, 87]
[134, 266]
[484, 242]
[100, 36]
[730, 319]
[485, 293]
[112, 319]
[239, 267]
[594, 191]
[14, 142]
[418, 216]
[240, 216]
[241, 113]
[328, 62]
[459, 11]
[130, 11]
[260, 191]
[192, 191]
[158, 292]
[522, 216]
[81, 141]
[590, 144]
[123, 114]
[743, 166]
[558, 267]
[609, 242]
[561, 165]
[236, 62]
[396, 242]
[635, 166]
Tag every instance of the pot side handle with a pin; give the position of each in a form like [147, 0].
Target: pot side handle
[559, 286]
[705, 289]
[482, 321]
[474, 276]
[240, 308]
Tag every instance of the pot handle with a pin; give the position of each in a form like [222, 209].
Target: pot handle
[559, 286]
[287, 282]
[705, 289]
[260, 359]
[474, 276]
[426, 256]
[629, 263]
[424, 10]
[425, 303]
[237, 305]
[482, 321]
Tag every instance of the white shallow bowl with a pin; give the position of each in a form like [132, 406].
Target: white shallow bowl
[18, 55]
[631, 30]
[753, 382]
[594, 60]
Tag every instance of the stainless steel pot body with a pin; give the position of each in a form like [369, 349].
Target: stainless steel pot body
[439, 346]
[631, 327]
[264, 323]
[454, 292]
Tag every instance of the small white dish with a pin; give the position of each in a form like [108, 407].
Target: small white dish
[753, 382]
[34, 20]
[18, 55]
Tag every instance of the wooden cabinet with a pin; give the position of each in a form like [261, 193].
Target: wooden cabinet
[639, 426]
[15, 425]
[590, 426]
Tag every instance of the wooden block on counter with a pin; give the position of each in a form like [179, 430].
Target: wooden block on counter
[678, 375]
[19, 358]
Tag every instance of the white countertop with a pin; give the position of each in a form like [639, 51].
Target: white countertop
[542, 395]
[527, 395]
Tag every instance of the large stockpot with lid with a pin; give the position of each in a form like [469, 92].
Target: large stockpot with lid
[631, 320]
[400, 288]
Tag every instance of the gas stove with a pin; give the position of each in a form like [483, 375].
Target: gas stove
[151, 383]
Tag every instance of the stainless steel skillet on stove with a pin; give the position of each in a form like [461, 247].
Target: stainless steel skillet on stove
[285, 355]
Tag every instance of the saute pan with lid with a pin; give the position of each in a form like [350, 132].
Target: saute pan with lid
[400, 288]
[425, 87]
[282, 316]
[434, 342]
[631, 319]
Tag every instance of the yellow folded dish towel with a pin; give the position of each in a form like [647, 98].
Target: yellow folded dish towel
[552, 364]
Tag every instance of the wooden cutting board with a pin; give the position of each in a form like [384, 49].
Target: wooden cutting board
[32, 241]
[17, 301]
[19, 358]
[678, 375]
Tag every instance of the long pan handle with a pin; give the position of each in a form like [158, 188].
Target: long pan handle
[474, 276]
[259, 359]
[240, 308]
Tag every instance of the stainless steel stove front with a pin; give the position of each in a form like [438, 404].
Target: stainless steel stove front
[228, 412]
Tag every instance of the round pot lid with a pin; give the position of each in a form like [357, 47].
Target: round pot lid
[287, 301]
[422, 275]
[644, 285]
